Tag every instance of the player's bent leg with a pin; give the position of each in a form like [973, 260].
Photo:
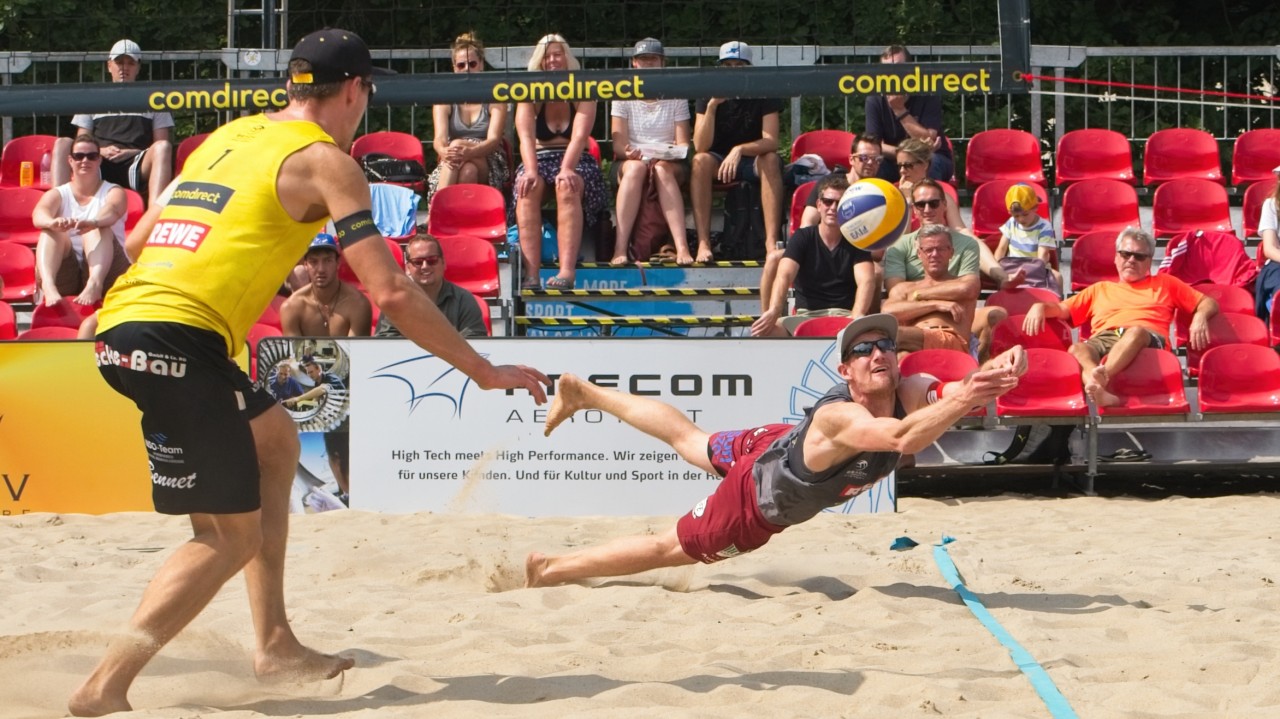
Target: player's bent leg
[628, 555]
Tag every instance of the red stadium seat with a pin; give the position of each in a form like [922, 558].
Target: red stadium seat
[185, 149]
[400, 145]
[1181, 153]
[136, 208]
[798, 199]
[1012, 155]
[1240, 378]
[1094, 154]
[1018, 300]
[1099, 206]
[1050, 388]
[8, 321]
[471, 210]
[1151, 385]
[990, 212]
[18, 269]
[48, 333]
[1254, 197]
[593, 148]
[472, 264]
[1188, 204]
[1056, 335]
[1253, 156]
[1093, 259]
[946, 365]
[16, 206]
[833, 146]
[1230, 299]
[271, 315]
[346, 274]
[821, 327]
[1229, 328]
[28, 148]
[63, 314]
[485, 314]
[256, 333]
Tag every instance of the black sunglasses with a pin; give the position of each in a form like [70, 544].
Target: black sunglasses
[931, 204]
[907, 165]
[1139, 256]
[828, 200]
[90, 156]
[864, 349]
[429, 261]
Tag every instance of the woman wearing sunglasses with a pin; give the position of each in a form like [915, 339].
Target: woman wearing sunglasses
[81, 227]
[468, 136]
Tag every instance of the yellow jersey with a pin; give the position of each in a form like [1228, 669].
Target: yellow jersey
[223, 244]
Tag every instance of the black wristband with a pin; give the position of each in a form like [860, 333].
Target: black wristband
[904, 114]
[355, 227]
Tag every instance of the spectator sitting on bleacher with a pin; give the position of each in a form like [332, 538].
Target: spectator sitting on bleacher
[895, 118]
[864, 161]
[424, 263]
[969, 257]
[137, 147]
[1268, 281]
[81, 223]
[554, 138]
[1126, 316]
[327, 307]
[468, 136]
[736, 139]
[936, 311]
[661, 122]
[1027, 243]
[832, 277]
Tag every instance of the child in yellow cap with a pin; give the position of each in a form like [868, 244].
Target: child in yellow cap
[1027, 241]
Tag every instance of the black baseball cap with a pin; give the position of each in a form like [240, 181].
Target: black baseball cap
[335, 55]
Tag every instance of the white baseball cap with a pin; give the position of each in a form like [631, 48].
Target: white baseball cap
[126, 47]
[735, 50]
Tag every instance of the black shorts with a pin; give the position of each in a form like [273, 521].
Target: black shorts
[196, 405]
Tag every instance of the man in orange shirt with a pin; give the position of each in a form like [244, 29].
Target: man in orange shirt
[1126, 316]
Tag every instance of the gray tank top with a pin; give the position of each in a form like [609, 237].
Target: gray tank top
[478, 130]
[788, 493]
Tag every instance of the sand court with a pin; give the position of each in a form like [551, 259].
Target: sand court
[1135, 608]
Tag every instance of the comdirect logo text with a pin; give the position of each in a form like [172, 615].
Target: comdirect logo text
[916, 82]
[226, 98]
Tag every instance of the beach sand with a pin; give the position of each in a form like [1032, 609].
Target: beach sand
[1134, 607]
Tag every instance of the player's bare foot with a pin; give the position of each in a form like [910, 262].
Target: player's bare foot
[568, 399]
[90, 702]
[1096, 388]
[534, 565]
[309, 666]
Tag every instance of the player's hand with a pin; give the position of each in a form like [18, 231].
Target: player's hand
[509, 376]
[983, 386]
[1013, 359]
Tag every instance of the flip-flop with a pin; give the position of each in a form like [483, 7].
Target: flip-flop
[1125, 454]
[559, 283]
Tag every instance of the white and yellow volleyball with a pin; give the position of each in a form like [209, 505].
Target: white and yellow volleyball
[872, 214]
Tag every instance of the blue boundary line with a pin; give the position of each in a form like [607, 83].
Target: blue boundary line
[1040, 681]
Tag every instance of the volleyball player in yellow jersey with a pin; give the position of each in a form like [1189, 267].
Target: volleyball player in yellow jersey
[209, 256]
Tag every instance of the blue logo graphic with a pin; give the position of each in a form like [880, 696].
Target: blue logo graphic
[426, 377]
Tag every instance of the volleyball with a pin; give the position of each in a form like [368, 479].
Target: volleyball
[872, 214]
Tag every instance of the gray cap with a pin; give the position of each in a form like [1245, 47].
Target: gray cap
[650, 46]
[735, 50]
[125, 47]
[885, 323]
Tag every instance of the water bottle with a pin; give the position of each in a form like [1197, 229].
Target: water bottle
[46, 177]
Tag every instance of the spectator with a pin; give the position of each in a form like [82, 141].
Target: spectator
[137, 147]
[1269, 274]
[640, 176]
[469, 136]
[898, 117]
[81, 225]
[932, 314]
[283, 385]
[935, 204]
[425, 265]
[831, 276]
[737, 140]
[327, 307]
[1126, 316]
[554, 138]
[913, 159]
[864, 161]
[1027, 243]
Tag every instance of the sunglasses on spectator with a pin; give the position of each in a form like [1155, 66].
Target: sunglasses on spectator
[468, 65]
[864, 349]
[82, 156]
[907, 165]
[1139, 256]
[930, 204]
[429, 261]
[828, 200]
[868, 159]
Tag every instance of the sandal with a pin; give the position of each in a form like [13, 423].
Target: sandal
[1126, 454]
[531, 284]
[559, 283]
[666, 253]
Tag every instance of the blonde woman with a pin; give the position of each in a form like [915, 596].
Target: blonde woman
[468, 136]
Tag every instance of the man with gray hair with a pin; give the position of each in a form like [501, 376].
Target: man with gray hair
[929, 322]
[1126, 316]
